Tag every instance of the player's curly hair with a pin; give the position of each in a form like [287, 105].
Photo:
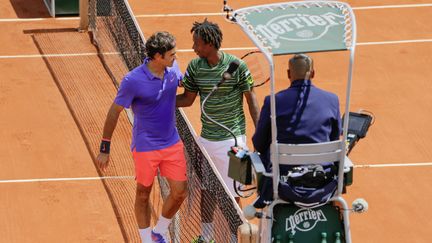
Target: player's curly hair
[159, 42]
[209, 32]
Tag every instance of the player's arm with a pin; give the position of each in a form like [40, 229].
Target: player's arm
[190, 88]
[262, 136]
[246, 85]
[186, 99]
[111, 120]
[110, 124]
[253, 105]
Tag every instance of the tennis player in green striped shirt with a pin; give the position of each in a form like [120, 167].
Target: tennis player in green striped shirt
[224, 106]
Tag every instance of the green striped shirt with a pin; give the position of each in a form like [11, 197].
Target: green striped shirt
[225, 105]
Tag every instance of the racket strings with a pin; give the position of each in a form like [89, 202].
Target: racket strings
[258, 67]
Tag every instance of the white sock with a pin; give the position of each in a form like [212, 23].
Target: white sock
[207, 231]
[145, 235]
[162, 225]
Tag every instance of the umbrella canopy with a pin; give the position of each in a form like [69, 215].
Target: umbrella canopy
[294, 27]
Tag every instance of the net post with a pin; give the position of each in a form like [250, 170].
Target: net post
[83, 12]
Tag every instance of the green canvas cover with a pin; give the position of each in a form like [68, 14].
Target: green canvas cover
[294, 27]
[294, 224]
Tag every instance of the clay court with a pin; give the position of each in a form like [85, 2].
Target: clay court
[55, 92]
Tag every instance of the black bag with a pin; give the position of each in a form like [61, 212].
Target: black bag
[309, 176]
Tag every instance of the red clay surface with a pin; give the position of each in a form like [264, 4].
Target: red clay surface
[40, 137]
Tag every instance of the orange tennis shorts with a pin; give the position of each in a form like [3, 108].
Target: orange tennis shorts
[170, 161]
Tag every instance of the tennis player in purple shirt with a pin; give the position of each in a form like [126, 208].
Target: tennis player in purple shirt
[150, 90]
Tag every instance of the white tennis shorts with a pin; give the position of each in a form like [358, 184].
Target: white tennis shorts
[218, 152]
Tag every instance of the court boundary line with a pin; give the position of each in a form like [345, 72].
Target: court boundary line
[58, 55]
[191, 50]
[393, 42]
[420, 5]
[5, 20]
[394, 165]
[97, 178]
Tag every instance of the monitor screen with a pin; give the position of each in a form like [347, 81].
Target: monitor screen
[356, 123]
[359, 123]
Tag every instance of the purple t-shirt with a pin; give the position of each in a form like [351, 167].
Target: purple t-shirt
[153, 105]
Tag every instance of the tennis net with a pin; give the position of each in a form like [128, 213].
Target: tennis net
[116, 34]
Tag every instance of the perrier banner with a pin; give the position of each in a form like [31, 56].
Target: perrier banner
[288, 28]
[294, 224]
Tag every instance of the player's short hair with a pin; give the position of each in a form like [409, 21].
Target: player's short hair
[300, 64]
[209, 32]
[160, 42]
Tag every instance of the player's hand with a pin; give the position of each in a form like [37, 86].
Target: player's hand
[102, 161]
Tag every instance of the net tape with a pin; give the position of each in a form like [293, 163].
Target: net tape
[115, 30]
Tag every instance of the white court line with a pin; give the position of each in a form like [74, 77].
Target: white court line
[58, 55]
[214, 14]
[68, 179]
[393, 42]
[220, 14]
[133, 177]
[36, 19]
[177, 15]
[358, 44]
[394, 6]
[393, 165]
[223, 49]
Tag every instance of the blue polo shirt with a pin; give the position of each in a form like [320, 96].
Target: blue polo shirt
[304, 114]
[153, 104]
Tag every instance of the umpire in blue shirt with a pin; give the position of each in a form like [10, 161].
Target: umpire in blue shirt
[304, 113]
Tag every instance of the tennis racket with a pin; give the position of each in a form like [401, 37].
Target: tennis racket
[258, 66]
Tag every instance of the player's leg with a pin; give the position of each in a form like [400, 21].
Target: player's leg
[218, 152]
[145, 171]
[207, 206]
[178, 192]
[143, 212]
[173, 168]
[221, 161]
[208, 203]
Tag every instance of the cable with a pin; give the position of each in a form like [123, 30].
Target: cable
[211, 119]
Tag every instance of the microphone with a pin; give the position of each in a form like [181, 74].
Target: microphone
[233, 66]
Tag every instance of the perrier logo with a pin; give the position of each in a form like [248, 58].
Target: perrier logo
[298, 27]
[304, 220]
